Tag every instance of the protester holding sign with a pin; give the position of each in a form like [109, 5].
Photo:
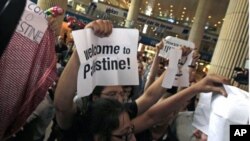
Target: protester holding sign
[147, 115]
[156, 69]
[30, 59]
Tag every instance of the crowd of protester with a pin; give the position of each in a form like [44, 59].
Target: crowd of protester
[146, 112]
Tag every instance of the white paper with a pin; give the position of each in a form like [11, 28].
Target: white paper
[33, 22]
[169, 78]
[202, 112]
[175, 69]
[218, 128]
[173, 42]
[236, 102]
[225, 111]
[120, 48]
[183, 80]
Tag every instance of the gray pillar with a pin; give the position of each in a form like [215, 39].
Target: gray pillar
[232, 46]
[132, 13]
[201, 15]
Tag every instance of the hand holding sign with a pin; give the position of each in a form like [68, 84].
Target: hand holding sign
[195, 57]
[159, 46]
[106, 60]
[178, 51]
[101, 28]
[212, 83]
[186, 50]
[215, 114]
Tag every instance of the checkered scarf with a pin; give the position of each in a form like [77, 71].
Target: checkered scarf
[27, 70]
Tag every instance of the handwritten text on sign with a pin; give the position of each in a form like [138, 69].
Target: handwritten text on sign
[106, 61]
[177, 74]
[33, 22]
[173, 42]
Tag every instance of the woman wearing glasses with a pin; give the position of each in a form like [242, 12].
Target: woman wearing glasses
[115, 124]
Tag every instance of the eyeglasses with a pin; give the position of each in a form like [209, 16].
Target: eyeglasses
[127, 136]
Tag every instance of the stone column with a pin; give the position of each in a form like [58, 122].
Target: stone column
[232, 46]
[132, 13]
[201, 16]
[45, 4]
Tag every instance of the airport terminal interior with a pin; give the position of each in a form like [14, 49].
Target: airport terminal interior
[157, 19]
[217, 29]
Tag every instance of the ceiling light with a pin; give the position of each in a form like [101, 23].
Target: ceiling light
[171, 6]
[181, 19]
[144, 30]
[209, 17]
[183, 12]
[146, 2]
[219, 22]
[182, 16]
[159, 4]
[171, 10]
[184, 8]
[215, 24]
[171, 20]
[159, 8]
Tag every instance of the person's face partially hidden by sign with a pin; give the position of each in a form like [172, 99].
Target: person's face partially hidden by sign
[113, 92]
[125, 130]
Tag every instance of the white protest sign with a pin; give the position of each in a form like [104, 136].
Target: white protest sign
[202, 112]
[228, 111]
[106, 61]
[177, 74]
[171, 71]
[33, 23]
[223, 112]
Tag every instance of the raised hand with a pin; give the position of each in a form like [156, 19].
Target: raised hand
[159, 45]
[101, 28]
[212, 83]
[185, 51]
